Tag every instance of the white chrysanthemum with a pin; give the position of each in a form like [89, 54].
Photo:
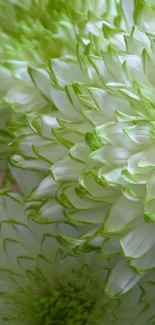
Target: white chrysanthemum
[26, 30]
[41, 283]
[92, 146]
[36, 30]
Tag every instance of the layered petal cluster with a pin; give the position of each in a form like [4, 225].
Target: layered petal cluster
[87, 156]
[82, 154]
[36, 30]
[26, 30]
[31, 33]
[43, 283]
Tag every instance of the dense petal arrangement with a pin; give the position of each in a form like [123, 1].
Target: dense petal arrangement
[31, 33]
[84, 152]
[37, 30]
[81, 123]
[43, 283]
[26, 30]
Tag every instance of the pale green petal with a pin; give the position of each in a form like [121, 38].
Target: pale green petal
[27, 179]
[128, 7]
[110, 247]
[93, 216]
[30, 164]
[46, 188]
[150, 187]
[66, 169]
[120, 281]
[138, 242]
[122, 215]
[111, 155]
[144, 263]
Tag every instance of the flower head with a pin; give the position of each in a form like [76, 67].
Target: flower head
[42, 282]
[26, 30]
[83, 143]
[89, 153]
[34, 31]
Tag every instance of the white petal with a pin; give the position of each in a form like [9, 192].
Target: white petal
[111, 155]
[122, 215]
[140, 134]
[91, 216]
[66, 169]
[146, 262]
[128, 9]
[138, 242]
[51, 152]
[111, 246]
[47, 188]
[31, 164]
[42, 80]
[148, 158]
[151, 187]
[49, 212]
[67, 72]
[44, 125]
[148, 68]
[63, 104]
[80, 152]
[26, 179]
[121, 280]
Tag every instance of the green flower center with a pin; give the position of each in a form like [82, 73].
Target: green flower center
[72, 299]
[68, 306]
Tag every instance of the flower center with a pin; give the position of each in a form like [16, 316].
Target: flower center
[72, 299]
[68, 306]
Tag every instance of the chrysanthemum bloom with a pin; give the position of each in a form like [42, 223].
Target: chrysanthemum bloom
[83, 159]
[92, 145]
[43, 283]
[26, 30]
[36, 30]
[32, 32]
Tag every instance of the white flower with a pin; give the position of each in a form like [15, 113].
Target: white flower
[34, 31]
[83, 150]
[43, 283]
